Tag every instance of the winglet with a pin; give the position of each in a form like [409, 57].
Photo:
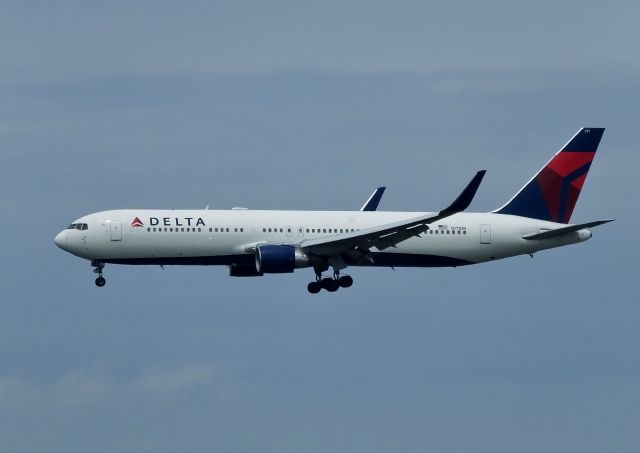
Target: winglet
[466, 196]
[374, 200]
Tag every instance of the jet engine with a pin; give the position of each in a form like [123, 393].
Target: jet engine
[278, 259]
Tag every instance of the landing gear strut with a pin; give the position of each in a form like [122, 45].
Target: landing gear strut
[100, 281]
[330, 284]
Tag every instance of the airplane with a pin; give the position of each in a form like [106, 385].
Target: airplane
[253, 243]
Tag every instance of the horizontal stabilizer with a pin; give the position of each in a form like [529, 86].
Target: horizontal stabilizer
[564, 230]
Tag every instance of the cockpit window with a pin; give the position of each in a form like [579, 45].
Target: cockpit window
[78, 226]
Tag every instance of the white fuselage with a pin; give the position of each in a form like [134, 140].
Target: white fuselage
[226, 237]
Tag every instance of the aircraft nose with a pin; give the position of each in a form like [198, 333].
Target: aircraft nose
[61, 239]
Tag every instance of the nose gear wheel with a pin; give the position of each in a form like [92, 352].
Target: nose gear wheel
[100, 281]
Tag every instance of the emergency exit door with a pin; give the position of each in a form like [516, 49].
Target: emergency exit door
[485, 234]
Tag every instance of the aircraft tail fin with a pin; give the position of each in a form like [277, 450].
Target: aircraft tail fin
[553, 192]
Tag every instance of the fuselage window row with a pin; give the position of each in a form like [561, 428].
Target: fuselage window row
[84, 226]
[177, 230]
[448, 232]
[182, 230]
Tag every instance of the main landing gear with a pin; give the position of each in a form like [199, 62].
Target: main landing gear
[100, 281]
[330, 284]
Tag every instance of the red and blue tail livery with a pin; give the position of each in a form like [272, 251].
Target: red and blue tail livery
[553, 192]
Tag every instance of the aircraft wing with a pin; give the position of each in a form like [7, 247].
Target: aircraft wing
[373, 201]
[358, 243]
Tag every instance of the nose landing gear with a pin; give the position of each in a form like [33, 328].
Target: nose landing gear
[330, 284]
[100, 281]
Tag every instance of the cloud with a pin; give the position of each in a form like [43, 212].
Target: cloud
[92, 386]
[171, 382]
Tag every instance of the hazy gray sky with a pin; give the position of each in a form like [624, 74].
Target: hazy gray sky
[292, 106]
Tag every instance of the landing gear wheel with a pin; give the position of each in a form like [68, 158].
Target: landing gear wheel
[345, 281]
[100, 281]
[330, 284]
[314, 287]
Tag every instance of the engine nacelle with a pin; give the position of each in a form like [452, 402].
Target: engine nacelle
[279, 259]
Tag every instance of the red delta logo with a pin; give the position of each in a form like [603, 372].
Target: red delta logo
[137, 223]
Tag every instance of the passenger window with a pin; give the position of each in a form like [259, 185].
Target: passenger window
[241, 230]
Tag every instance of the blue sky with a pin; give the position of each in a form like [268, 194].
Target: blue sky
[293, 106]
